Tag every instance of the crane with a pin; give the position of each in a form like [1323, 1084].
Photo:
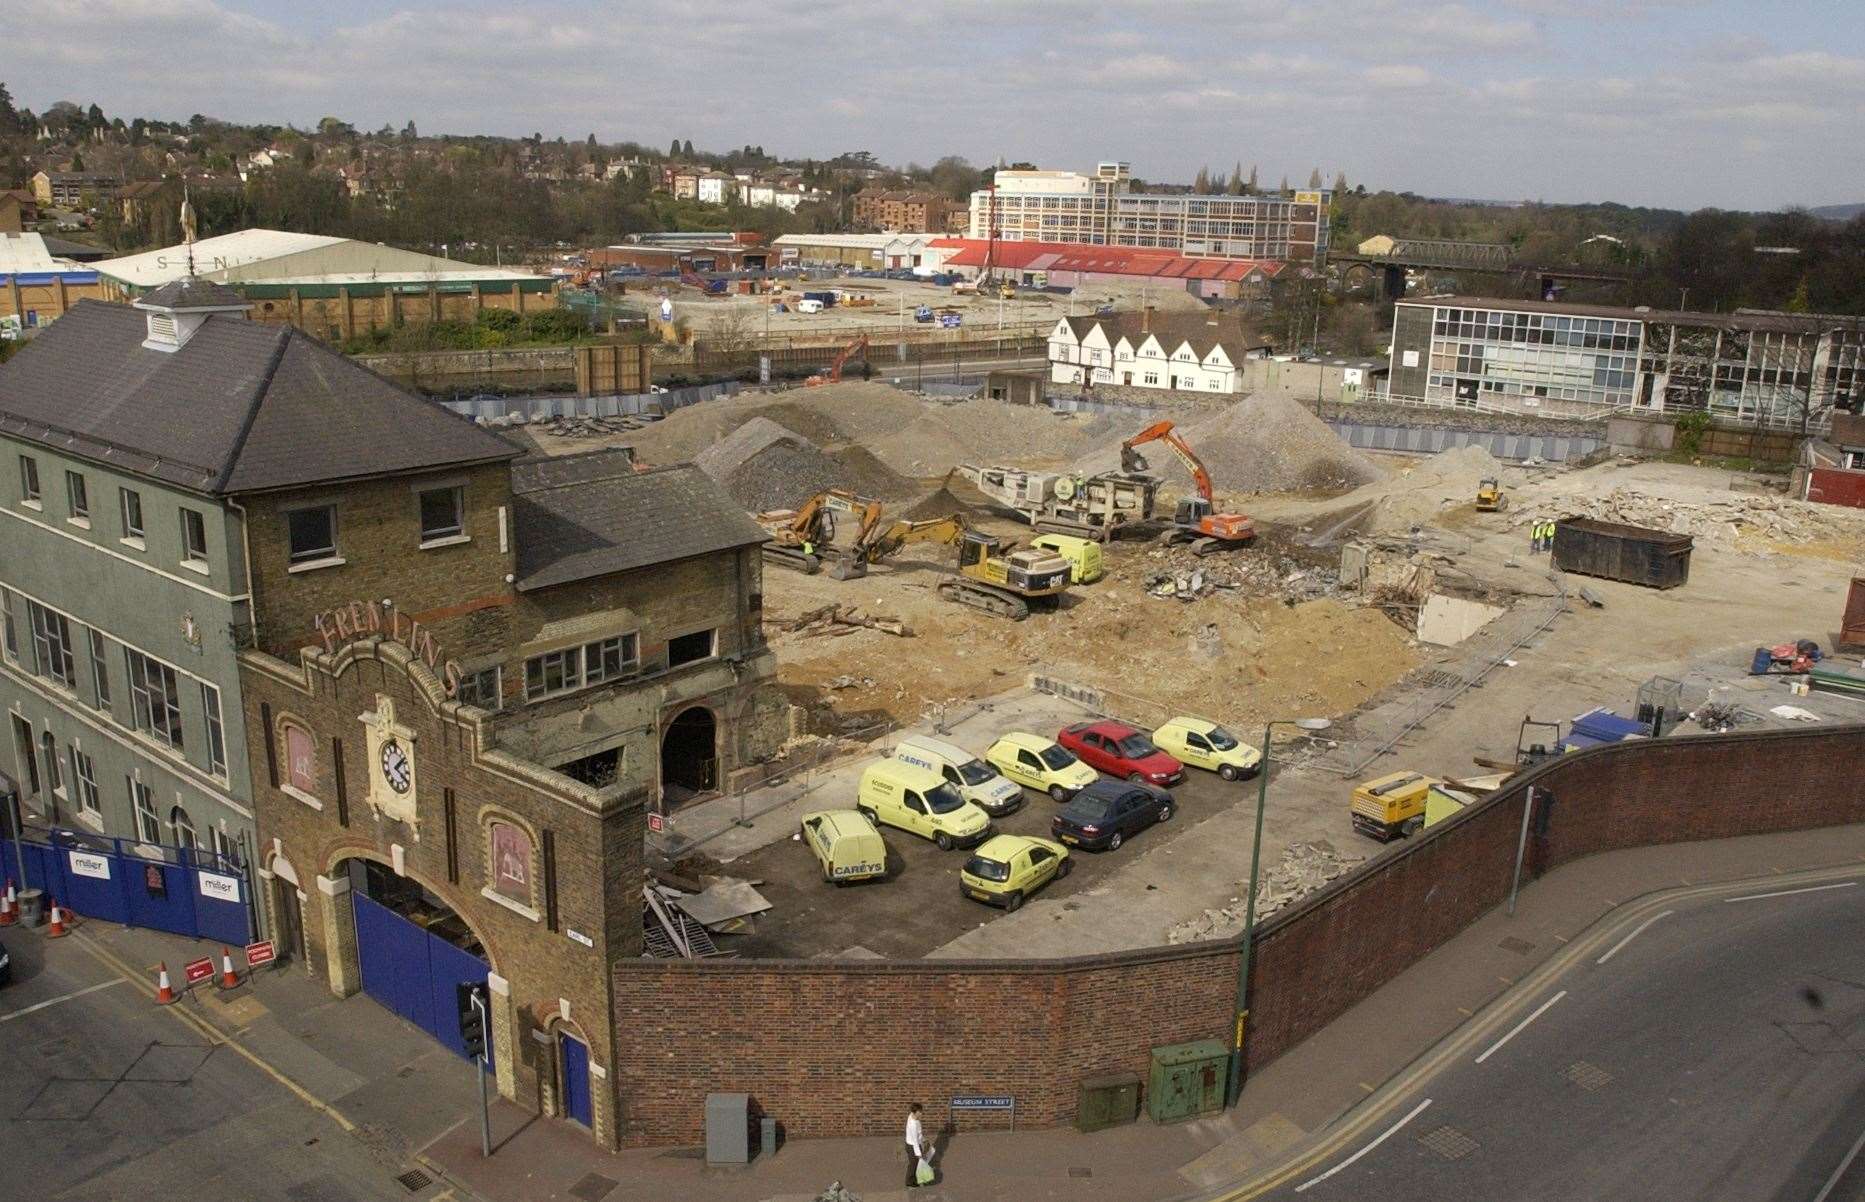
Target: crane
[1196, 519]
[834, 375]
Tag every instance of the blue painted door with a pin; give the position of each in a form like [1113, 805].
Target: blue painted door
[412, 972]
[575, 1057]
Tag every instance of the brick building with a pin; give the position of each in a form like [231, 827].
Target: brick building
[904, 212]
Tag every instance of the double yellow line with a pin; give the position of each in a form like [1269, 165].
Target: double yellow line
[1403, 1085]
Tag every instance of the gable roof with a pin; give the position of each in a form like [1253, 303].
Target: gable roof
[1202, 330]
[240, 407]
[577, 519]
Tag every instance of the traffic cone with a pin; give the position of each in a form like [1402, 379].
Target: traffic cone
[9, 905]
[58, 930]
[164, 992]
[228, 978]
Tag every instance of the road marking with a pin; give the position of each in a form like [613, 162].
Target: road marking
[1791, 892]
[1387, 1134]
[1839, 1172]
[10, 1015]
[1521, 1026]
[1635, 933]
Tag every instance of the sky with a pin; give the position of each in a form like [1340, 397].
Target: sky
[1672, 103]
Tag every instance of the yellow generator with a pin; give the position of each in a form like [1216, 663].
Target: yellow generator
[1391, 807]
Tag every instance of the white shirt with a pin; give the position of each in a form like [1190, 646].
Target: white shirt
[913, 1134]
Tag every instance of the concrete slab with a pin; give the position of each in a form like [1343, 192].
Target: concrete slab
[1446, 621]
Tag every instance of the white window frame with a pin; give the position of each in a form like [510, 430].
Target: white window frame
[442, 536]
[216, 730]
[52, 647]
[133, 533]
[143, 698]
[54, 766]
[84, 785]
[142, 804]
[575, 664]
[316, 555]
[77, 498]
[179, 821]
[9, 632]
[100, 668]
[30, 494]
[193, 556]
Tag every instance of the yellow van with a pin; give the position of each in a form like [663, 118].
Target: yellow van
[1041, 763]
[976, 781]
[1083, 555]
[920, 802]
[1391, 807]
[846, 845]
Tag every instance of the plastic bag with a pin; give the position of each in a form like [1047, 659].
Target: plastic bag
[924, 1173]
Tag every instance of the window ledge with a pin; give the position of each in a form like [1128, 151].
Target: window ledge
[94, 821]
[35, 506]
[195, 565]
[301, 795]
[134, 544]
[492, 895]
[314, 565]
[445, 540]
[80, 523]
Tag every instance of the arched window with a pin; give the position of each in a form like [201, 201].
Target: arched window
[183, 827]
[53, 780]
[300, 759]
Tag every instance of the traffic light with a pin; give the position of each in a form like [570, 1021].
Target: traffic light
[472, 1004]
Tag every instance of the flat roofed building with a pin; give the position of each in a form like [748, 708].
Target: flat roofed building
[1751, 365]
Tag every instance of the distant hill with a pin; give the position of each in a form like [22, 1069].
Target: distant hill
[1838, 212]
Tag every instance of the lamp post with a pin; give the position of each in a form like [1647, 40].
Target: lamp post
[1249, 920]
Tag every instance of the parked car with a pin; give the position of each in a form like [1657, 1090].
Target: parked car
[1119, 750]
[1198, 743]
[1040, 763]
[1109, 812]
[845, 844]
[917, 800]
[1008, 868]
[976, 781]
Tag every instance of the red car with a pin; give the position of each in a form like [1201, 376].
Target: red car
[1119, 750]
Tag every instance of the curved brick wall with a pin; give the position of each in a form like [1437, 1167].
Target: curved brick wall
[783, 1031]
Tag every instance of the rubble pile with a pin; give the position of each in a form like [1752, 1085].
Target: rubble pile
[594, 427]
[1723, 521]
[1258, 444]
[1180, 574]
[768, 466]
[1303, 868]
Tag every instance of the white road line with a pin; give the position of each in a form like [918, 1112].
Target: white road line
[1385, 1135]
[1635, 934]
[10, 1015]
[1519, 1027]
[1791, 892]
[1839, 1172]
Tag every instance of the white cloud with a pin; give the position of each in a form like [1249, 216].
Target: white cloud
[1397, 76]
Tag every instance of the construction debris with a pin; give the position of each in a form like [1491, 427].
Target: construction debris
[1724, 522]
[1304, 867]
[1182, 575]
[826, 618]
[722, 900]
[595, 427]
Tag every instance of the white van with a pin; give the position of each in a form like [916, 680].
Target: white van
[975, 780]
[809, 306]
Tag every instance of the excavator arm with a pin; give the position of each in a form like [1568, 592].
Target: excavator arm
[887, 542]
[848, 352]
[1132, 461]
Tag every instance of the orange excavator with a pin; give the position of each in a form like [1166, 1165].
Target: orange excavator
[1196, 519]
[834, 375]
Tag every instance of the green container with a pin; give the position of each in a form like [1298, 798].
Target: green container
[1107, 1101]
[1187, 1080]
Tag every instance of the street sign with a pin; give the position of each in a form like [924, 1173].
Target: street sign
[260, 953]
[983, 1103]
[196, 971]
[657, 823]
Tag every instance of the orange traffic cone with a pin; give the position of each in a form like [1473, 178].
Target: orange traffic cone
[9, 905]
[228, 978]
[58, 930]
[164, 992]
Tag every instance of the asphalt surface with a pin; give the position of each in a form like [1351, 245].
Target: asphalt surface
[1717, 1053]
[103, 1095]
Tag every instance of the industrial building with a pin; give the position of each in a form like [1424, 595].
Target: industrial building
[38, 286]
[873, 252]
[1070, 265]
[334, 287]
[1751, 366]
[1104, 210]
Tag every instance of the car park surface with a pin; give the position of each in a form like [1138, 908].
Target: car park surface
[1120, 750]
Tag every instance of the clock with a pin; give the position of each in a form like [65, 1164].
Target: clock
[395, 767]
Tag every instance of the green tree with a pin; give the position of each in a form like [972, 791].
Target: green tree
[1314, 178]
[1236, 185]
[673, 149]
[10, 123]
[1249, 188]
[77, 160]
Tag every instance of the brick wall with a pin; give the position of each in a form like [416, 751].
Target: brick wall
[791, 1033]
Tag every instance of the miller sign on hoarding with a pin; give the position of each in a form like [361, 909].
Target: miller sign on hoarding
[85, 863]
[220, 888]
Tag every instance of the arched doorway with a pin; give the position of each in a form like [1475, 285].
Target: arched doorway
[413, 949]
[689, 756]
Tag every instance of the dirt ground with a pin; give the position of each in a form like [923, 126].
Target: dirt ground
[738, 317]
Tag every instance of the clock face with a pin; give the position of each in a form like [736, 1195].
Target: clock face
[395, 767]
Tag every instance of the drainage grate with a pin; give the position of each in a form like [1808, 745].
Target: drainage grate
[414, 1181]
[1449, 1142]
[1587, 1076]
[1520, 947]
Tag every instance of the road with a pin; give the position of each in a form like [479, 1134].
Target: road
[104, 1095]
[1704, 1047]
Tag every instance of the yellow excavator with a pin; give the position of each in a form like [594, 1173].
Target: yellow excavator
[824, 529]
[1489, 496]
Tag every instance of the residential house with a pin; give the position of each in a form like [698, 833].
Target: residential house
[1185, 352]
[19, 209]
[715, 188]
[68, 189]
[902, 212]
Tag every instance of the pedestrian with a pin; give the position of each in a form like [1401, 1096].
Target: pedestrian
[1534, 537]
[1548, 538]
[916, 1145]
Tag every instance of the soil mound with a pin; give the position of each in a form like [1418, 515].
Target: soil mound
[1259, 444]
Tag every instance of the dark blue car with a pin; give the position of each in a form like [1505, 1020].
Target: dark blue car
[1107, 813]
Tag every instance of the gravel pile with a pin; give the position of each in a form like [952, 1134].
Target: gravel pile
[986, 431]
[1163, 295]
[1259, 444]
[768, 466]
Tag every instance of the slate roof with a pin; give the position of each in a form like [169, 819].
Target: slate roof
[1202, 330]
[191, 292]
[575, 521]
[242, 407]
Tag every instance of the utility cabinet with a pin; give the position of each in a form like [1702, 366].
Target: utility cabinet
[1107, 1101]
[728, 1128]
[1188, 1080]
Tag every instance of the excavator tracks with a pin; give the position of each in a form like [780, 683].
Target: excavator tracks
[792, 558]
[990, 600]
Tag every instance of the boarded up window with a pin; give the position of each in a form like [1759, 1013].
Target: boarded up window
[511, 862]
[300, 760]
